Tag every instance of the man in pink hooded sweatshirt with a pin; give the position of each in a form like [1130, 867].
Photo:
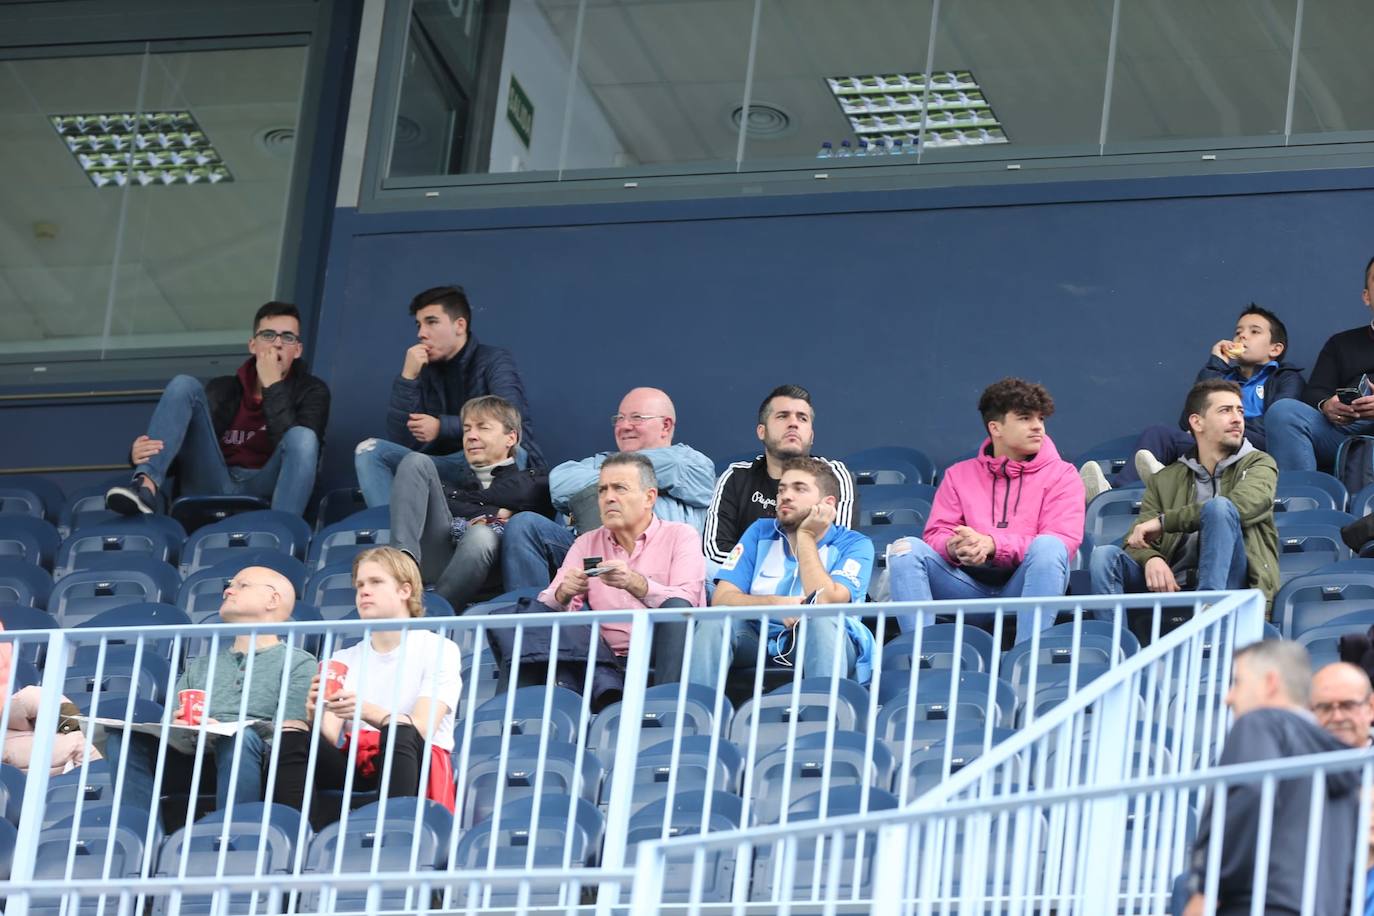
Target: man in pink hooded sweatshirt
[1004, 523]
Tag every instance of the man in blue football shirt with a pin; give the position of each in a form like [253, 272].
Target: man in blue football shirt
[800, 557]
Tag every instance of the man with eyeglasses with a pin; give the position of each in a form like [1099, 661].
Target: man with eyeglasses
[1343, 703]
[443, 371]
[534, 546]
[800, 557]
[274, 688]
[255, 433]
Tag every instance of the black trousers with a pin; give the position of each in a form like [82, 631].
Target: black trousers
[331, 769]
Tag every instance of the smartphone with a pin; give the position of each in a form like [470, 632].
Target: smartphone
[1347, 395]
[593, 573]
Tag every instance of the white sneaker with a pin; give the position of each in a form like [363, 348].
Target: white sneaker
[1094, 481]
[1146, 464]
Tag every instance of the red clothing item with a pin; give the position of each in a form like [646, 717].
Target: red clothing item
[440, 787]
[245, 442]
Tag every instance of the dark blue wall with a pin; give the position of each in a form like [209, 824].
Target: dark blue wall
[895, 309]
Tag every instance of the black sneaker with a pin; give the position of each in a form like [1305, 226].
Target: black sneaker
[134, 499]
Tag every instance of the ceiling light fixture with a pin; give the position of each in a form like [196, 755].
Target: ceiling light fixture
[116, 149]
[891, 107]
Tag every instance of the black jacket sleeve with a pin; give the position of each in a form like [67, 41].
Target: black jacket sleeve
[518, 491]
[722, 529]
[1286, 383]
[1326, 374]
[405, 400]
[299, 401]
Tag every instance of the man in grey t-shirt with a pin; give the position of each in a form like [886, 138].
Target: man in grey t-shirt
[275, 687]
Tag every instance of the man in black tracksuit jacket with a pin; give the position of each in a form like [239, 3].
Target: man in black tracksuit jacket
[1268, 697]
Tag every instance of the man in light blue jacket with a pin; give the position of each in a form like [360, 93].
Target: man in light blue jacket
[533, 546]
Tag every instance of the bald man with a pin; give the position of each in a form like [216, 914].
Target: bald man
[255, 596]
[1343, 703]
[534, 547]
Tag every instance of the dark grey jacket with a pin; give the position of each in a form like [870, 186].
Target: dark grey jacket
[1267, 734]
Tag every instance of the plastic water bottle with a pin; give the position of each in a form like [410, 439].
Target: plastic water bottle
[897, 147]
[826, 151]
[845, 150]
[877, 148]
[863, 148]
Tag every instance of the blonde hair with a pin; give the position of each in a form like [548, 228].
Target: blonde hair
[400, 567]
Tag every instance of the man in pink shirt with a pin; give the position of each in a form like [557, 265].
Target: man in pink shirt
[634, 560]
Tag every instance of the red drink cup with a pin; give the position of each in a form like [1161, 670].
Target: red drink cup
[332, 676]
[192, 706]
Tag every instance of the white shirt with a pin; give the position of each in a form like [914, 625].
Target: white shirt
[432, 668]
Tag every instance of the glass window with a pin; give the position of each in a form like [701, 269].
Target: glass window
[1334, 91]
[148, 191]
[1201, 70]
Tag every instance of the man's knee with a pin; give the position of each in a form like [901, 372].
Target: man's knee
[301, 442]
[185, 387]
[523, 526]
[1288, 414]
[1219, 509]
[1046, 548]
[482, 539]
[908, 550]
[1104, 559]
[414, 466]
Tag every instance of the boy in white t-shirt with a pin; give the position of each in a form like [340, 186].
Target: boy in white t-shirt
[402, 686]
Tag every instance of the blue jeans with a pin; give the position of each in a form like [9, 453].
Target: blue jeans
[376, 461]
[817, 656]
[182, 421]
[1301, 438]
[921, 574]
[532, 549]
[1221, 556]
[142, 761]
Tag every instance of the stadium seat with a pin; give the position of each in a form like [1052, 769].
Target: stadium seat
[209, 848]
[662, 712]
[143, 614]
[868, 465]
[775, 784]
[1305, 548]
[330, 588]
[978, 696]
[100, 852]
[81, 595]
[1323, 642]
[202, 590]
[1112, 455]
[196, 512]
[1111, 514]
[1317, 599]
[436, 605]
[527, 716]
[841, 801]
[1320, 489]
[937, 650]
[29, 487]
[22, 617]
[654, 767]
[9, 837]
[885, 534]
[21, 582]
[515, 839]
[111, 544]
[262, 530]
[25, 673]
[774, 713]
[1053, 686]
[86, 505]
[342, 541]
[1330, 517]
[520, 775]
[685, 818]
[892, 727]
[337, 505]
[11, 792]
[340, 849]
[33, 540]
[808, 880]
[925, 769]
[1058, 649]
[1360, 504]
[897, 504]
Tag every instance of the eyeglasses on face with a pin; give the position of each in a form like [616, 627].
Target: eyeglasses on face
[239, 585]
[267, 335]
[1344, 707]
[634, 419]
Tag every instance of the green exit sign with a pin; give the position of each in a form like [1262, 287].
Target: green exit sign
[520, 112]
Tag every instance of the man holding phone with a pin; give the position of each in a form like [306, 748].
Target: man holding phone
[1306, 434]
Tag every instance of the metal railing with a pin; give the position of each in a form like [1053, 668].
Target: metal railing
[549, 788]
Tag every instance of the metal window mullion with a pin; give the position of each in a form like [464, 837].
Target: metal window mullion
[570, 96]
[1109, 83]
[1293, 73]
[748, 85]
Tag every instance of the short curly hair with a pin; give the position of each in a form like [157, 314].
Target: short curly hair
[1013, 395]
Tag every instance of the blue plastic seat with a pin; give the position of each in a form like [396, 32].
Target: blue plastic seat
[1360, 504]
[1330, 517]
[891, 458]
[1112, 455]
[342, 541]
[207, 851]
[196, 512]
[1303, 483]
[937, 650]
[86, 505]
[686, 817]
[337, 505]
[773, 711]
[33, 540]
[1111, 514]
[330, 588]
[83, 594]
[21, 582]
[23, 617]
[694, 768]
[884, 535]
[149, 681]
[16, 500]
[895, 504]
[340, 849]
[224, 542]
[520, 771]
[33, 486]
[120, 845]
[1058, 650]
[851, 763]
[1317, 599]
[1053, 685]
[513, 838]
[979, 696]
[1305, 548]
[801, 878]
[202, 590]
[527, 716]
[662, 712]
[11, 792]
[112, 544]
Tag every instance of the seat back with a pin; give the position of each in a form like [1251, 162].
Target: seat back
[1112, 513]
[905, 504]
[111, 544]
[937, 649]
[196, 512]
[1112, 455]
[22, 582]
[395, 843]
[662, 713]
[27, 538]
[691, 813]
[1316, 599]
[977, 697]
[774, 713]
[914, 465]
[519, 774]
[693, 768]
[814, 762]
[1305, 548]
[261, 530]
[21, 493]
[342, 541]
[83, 594]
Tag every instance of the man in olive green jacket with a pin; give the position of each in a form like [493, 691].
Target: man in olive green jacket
[1207, 520]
